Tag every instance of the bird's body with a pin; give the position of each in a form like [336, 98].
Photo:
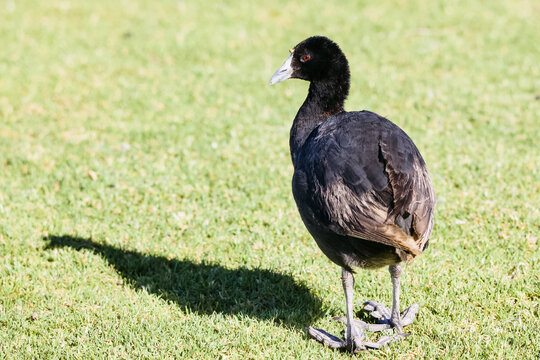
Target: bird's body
[346, 198]
[360, 184]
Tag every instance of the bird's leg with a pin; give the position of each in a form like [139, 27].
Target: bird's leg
[394, 318]
[354, 332]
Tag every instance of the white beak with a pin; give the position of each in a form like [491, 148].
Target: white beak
[283, 73]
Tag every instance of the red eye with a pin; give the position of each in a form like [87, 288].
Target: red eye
[305, 58]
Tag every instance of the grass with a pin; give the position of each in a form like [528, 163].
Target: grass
[145, 205]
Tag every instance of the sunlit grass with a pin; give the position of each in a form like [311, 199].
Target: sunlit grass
[145, 204]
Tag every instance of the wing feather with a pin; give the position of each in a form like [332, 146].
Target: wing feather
[411, 185]
[361, 181]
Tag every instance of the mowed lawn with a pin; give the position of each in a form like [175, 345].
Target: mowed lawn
[145, 202]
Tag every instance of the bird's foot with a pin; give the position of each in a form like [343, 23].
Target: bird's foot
[384, 316]
[355, 342]
[364, 325]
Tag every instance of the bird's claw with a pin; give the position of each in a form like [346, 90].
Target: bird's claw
[326, 338]
[355, 343]
[364, 325]
[384, 315]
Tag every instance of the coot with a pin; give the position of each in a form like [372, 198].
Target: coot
[360, 184]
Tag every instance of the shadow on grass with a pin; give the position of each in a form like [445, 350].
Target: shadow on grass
[207, 288]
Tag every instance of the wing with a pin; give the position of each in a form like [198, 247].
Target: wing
[363, 179]
[411, 185]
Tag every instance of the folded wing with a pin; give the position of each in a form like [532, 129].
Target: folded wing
[371, 183]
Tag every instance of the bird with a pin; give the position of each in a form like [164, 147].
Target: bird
[361, 187]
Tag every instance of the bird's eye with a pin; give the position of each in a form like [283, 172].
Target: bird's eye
[305, 58]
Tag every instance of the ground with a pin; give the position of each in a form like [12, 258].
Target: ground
[145, 202]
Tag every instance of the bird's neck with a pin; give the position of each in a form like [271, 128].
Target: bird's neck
[325, 98]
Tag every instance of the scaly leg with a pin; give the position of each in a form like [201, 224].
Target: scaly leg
[394, 318]
[354, 333]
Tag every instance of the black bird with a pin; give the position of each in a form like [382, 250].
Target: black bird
[360, 184]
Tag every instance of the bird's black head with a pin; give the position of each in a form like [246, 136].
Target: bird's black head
[316, 59]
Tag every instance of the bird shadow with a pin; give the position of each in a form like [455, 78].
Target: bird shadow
[207, 288]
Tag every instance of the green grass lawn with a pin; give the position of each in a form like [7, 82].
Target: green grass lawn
[145, 202]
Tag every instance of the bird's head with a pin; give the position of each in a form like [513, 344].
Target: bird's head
[315, 59]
